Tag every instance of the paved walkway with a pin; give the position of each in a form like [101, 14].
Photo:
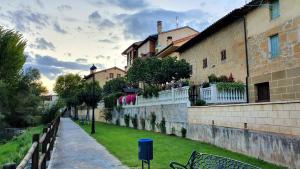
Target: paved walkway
[75, 149]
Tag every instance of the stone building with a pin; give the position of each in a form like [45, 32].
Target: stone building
[274, 51]
[159, 42]
[258, 43]
[105, 75]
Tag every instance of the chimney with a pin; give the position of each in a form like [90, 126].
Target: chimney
[169, 40]
[159, 27]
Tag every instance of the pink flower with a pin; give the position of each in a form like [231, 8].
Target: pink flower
[128, 99]
[120, 100]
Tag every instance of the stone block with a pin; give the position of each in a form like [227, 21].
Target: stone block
[278, 90]
[278, 75]
[285, 130]
[283, 114]
[275, 97]
[295, 114]
[272, 114]
[296, 131]
[293, 72]
[273, 84]
[298, 96]
[284, 82]
[261, 78]
[274, 129]
[288, 96]
[296, 81]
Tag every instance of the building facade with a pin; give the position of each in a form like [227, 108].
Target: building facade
[105, 75]
[274, 51]
[258, 44]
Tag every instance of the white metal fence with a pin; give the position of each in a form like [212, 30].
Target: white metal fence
[214, 96]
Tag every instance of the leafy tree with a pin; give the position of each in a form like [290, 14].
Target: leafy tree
[24, 99]
[114, 86]
[12, 56]
[153, 72]
[90, 94]
[68, 87]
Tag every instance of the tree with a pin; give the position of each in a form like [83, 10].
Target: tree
[68, 88]
[87, 96]
[12, 56]
[24, 99]
[154, 72]
[114, 86]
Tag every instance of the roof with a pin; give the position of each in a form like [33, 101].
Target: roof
[175, 45]
[151, 37]
[104, 70]
[132, 45]
[155, 36]
[221, 23]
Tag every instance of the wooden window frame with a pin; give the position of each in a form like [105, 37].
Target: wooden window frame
[205, 64]
[223, 55]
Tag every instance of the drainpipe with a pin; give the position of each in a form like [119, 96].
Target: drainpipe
[247, 62]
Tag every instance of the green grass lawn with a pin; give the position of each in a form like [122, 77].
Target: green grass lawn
[122, 142]
[15, 149]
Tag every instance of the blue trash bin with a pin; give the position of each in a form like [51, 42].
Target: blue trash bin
[145, 152]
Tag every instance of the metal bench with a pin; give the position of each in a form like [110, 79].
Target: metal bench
[209, 161]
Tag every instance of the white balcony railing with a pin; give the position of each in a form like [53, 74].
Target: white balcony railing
[212, 95]
[173, 96]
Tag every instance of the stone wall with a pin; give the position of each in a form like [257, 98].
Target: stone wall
[99, 114]
[269, 131]
[174, 114]
[281, 117]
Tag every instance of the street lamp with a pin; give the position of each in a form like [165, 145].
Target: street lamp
[93, 70]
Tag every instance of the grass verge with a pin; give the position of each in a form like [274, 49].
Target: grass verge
[122, 142]
[16, 148]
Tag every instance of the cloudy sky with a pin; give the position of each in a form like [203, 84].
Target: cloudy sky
[69, 35]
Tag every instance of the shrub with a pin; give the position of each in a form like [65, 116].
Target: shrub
[126, 119]
[152, 121]
[231, 86]
[134, 121]
[173, 132]
[118, 122]
[119, 108]
[143, 123]
[183, 132]
[223, 78]
[205, 85]
[110, 101]
[107, 115]
[162, 125]
[150, 91]
[50, 114]
[200, 102]
[213, 78]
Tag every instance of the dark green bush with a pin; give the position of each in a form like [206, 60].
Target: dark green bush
[152, 121]
[200, 102]
[150, 91]
[108, 115]
[205, 85]
[162, 125]
[134, 121]
[213, 78]
[110, 101]
[50, 114]
[231, 86]
[143, 123]
[126, 119]
[183, 132]
[118, 122]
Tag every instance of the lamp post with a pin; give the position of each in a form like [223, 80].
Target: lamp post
[93, 70]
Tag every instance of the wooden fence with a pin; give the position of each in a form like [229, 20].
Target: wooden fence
[39, 152]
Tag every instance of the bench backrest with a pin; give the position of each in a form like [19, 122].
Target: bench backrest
[209, 161]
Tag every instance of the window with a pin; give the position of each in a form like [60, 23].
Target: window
[111, 75]
[223, 55]
[274, 9]
[274, 45]
[118, 75]
[204, 63]
[263, 92]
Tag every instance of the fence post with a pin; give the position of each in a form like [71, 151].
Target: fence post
[10, 166]
[44, 148]
[35, 155]
[48, 140]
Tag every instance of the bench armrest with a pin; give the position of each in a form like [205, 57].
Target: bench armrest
[176, 165]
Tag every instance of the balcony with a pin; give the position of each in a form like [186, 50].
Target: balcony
[211, 95]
